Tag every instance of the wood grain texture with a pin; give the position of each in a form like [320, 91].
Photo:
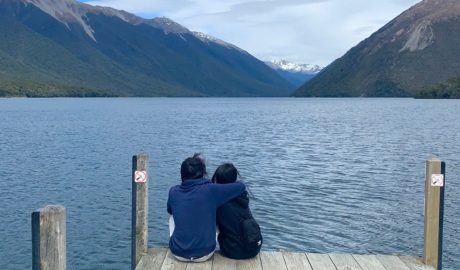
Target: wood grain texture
[159, 253]
[162, 259]
[170, 263]
[272, 261]
[415, 263]
[392, 262]
[140, 209]
[251, 264]
[222, 263]
[320, 261]
[344, 262]
[296, 261]
[434, 208]
[207, 265]
[369, 262]
[153, 260]
[146, 262]
[49, 251]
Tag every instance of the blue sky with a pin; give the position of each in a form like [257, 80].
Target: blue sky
[302, 31]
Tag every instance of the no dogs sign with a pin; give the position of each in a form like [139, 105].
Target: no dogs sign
[140, 176]
[437, 180]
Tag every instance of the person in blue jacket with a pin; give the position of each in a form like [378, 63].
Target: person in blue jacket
[193, 205]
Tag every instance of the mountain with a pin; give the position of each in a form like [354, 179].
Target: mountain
[68, 48]
[417, 49]
[446, 89]
[296, 74]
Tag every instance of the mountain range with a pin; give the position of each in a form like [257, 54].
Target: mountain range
[296, 74]
[416, 51]
[68, 48]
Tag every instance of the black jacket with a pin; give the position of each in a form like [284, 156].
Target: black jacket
[229, 217]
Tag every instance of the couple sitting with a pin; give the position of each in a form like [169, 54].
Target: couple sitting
[197, 205]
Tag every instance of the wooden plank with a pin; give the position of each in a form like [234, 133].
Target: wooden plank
[296, 261]
[207, 265]
[344, 262]
[152, 260]
[434, 209]
[251, 264]
[415, 263]
[146, 262]
[392, 262]
[320, 261]
[222, 263]
[272, 261]
[160, 255]
[170, 263]
[49, 238]
[140, 209]
[161, 258]
[369, 262]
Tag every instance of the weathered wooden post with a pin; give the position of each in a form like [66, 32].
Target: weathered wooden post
[434, 212]
[140, 208]
[49, 238]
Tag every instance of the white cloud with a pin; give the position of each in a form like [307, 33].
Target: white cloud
[303, 31]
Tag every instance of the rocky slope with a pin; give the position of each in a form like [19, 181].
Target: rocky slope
[417, 49]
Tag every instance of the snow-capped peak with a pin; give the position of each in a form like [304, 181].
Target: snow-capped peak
[72, 11]
[207, 38]
[168, 25]
[293, 67]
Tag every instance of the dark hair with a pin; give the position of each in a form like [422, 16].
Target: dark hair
[225, 173]
[193, 167]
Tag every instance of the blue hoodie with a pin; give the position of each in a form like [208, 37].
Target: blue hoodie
[193, 205]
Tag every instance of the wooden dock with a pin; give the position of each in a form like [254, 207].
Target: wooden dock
[161, 259]
[49, 238]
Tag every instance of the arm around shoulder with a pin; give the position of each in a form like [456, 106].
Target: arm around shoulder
[225, 192]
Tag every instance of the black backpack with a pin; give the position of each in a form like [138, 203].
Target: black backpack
[252, 236]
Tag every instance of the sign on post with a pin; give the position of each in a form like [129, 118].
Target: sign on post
[140, 208]
[434, 212]
[437, 180]
[140, 176]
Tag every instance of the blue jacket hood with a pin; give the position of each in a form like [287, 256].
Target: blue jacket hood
[188, 183]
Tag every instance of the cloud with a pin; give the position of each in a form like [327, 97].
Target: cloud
[303, 31]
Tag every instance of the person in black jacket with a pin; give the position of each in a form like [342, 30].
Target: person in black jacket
[240, 236]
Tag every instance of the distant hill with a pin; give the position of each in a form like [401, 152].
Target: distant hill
[68, 48]
[296, 74]
[417, 49]
[447, 89]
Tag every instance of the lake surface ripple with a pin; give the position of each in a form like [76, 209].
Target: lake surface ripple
[325, 175]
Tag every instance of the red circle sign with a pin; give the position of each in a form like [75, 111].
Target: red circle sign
[140, 176]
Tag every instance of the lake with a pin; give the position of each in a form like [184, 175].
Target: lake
[325, 175]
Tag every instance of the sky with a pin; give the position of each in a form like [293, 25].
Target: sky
[300, 31]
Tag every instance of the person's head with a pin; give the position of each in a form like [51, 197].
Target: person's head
[193, 168]
[225, 173]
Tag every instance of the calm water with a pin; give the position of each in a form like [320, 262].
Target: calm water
[326, 175]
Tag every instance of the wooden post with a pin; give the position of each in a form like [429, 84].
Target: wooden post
[140, 208]
[49, 238]
[434, 212]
